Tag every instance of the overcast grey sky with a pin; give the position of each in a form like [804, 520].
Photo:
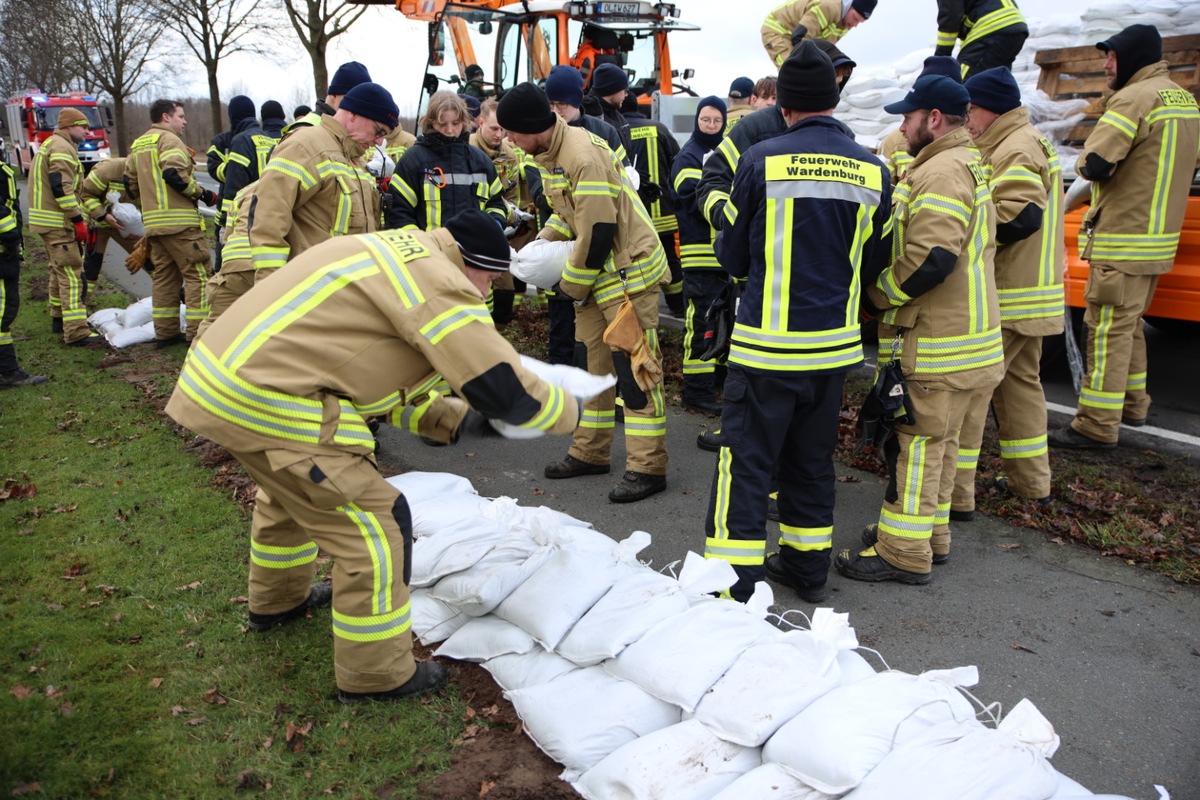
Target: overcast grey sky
[728, 45]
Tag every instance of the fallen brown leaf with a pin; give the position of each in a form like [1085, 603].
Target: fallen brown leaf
[485, 787]
[1019, 646]
[51, 692]
[20, 692]
[26, 788]
[196, 721]
[15, 490]
[1109, 613]
[215, 697]
[267, 744]
[177, 710]
[241, 599]
[192, 585]
[74, 571]
[155, 683]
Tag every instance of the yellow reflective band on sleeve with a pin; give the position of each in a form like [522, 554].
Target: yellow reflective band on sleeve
[238, 158]
[551, 412]
[408, 417]
[947, 38]
[943, 205]
[379, 407]
[772, 24]
[405, 191]
[1024, 448]
[805, 539]
[1004, 17]
[1019, 174]
[1122, 123]
[452, 319]
[686, 174]
[276, 557]
[292, 170]
[597, 189]
[556, 224]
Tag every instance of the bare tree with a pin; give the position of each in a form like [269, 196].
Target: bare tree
[317, 23]
[215, 29]
[115, 43]
[36, 40]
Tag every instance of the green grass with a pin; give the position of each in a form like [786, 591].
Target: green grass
[110, 659]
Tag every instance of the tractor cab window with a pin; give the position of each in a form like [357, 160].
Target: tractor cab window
[629, 48]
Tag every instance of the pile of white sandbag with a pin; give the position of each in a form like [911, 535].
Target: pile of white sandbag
[869, 91]
[643, 685]
[134, 324]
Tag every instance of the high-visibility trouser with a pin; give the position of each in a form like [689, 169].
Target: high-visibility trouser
[179, 259]
[66, 283]
[645, 412]
[1020, 406]
[224, 288]
[10, 304]
[999, 49]
[915, 519]
[1115, 384]
[775, 424]
[364, 524]
[700, 288]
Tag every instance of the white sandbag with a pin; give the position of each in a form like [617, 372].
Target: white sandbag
[483, 638]
[579, 383]
[769, 782]
[971, 762]
[420, 486]
[522, 670]
[478, 590]
[139, 313]
[127, 337]
[869, 82]
[839, 738]
[434, 620]
[872, 127]
[682, 762]
[107, 316]
[448, 513]
[769, 684]
[1115, 10]
[701, 577]
[129, 218]
[541, 262]
[581, 717]
[452, 549]
[1069, 789]
[552, 600]
[852, 667]
[634, 605]
[680, 659]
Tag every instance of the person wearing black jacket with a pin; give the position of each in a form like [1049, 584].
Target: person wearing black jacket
[442, 174]
[248, 154]
[11, 253]
[992, 33]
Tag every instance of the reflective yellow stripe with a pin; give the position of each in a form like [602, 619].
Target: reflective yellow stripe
[374, 627]
[277, 557]
[805, 539]
[742, 552]
[997, 20]
[1024, 448]
[383, 577]
[1119, 121]
[1134, 246]
[906, 526]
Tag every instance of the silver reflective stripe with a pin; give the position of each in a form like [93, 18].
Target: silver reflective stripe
[822, 190]
[458, 178]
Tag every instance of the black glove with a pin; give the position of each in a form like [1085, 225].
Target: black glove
[650, 192]
[208, 197]
[475, 424]
[11, 245]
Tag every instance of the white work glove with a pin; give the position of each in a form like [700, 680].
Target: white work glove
[380, 164]
[634, 178]
[541, 262]
[517, 219]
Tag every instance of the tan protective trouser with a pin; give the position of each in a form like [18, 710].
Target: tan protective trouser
[645, 412]
[363, 523]
[179, 259]
[1115, 385]
[66, 284]
[917, 522]
[223, 289]
[104, 235]
[1020, 406]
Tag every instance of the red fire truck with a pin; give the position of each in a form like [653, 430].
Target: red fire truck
[31, 118]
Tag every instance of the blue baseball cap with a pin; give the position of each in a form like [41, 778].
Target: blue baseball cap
[933, 92]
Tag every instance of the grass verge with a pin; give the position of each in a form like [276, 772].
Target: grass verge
[127, 669]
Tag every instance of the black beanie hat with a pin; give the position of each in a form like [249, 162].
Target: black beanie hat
[301, 111]
[348, 76]
[807, 81]
[271, 110]
[240, 108]
[864, 7]
[994, 89]
[480, 240]
[609, 79]
[473, 105]
[372, 101]
[1136, 47]
[564, 84]
[943, 65]
[525, 109]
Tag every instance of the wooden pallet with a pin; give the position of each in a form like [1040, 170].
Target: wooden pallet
[1078, 72]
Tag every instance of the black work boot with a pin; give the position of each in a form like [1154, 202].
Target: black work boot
[572, 467]
[870, 536]
[1071, 439]
[636, 486]
[178, 338]
[428, 677]
[56, 325]
[869, 566]
[321, 594]
[19, 377]
[808, 592]
[709, 440]
[92, 340]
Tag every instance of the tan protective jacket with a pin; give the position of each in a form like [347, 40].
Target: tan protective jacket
[165, 210]
[236, 254]
[1023, 169]
[510, 170]
[357, 328]
[940, 291]
[1150, 130]
[47, 213]
[894, 152]
[397, 142]
[314, 188]
[735, 113]
[104, 178]
[822, 18]
[589, 192]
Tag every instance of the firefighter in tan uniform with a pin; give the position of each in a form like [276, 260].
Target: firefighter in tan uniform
[894, 147]
[738, 103]
[285, 385]
[822, 19]
[616, 250]
[397, 142]
[1025, 177]
[55, 214]
[315, 186]
[237, 265]
[107, 177]
[1141, 158]
[940, 308]
[159, 173]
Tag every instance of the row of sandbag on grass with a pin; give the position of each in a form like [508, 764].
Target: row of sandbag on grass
[134, 324]
[644, 685]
